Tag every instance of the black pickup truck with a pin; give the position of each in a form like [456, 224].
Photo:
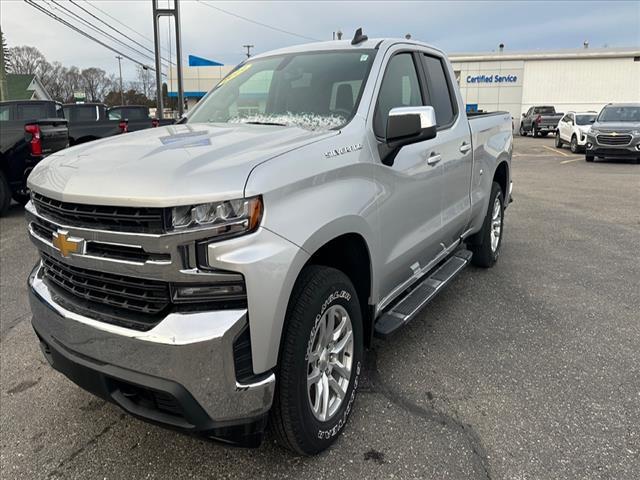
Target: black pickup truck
[91, 121]
[30, 130]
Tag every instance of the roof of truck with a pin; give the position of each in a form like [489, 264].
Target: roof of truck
[371, 43]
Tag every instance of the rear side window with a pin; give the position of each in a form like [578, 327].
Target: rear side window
[87, 113]
[400, 88]
[32, 112]
[439, 91]
[115, 114]
[5, 113]
[135, 113]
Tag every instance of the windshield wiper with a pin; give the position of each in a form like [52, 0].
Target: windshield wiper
[266, 123]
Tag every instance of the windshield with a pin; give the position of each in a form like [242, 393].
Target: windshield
[585, 119]
[313, 90]
[619, 114]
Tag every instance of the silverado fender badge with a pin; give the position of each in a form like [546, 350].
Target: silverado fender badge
[66, 244]
[342, 150]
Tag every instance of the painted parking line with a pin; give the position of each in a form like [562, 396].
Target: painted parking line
[572, 160]
[554, 150]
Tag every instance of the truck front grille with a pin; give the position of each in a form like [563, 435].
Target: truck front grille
[132, 302]
[102, 217]
[609, 139]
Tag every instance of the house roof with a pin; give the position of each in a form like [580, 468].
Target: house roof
[18, 86]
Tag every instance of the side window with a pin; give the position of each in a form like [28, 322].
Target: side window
[115, 114]
[439, 91]
[5, 113]
[565, 119]
[399, 88]
[530, 112]
[571, 121]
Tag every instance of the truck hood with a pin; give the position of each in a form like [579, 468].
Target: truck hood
[166, 166]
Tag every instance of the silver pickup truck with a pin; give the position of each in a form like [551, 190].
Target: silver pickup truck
[211, 275]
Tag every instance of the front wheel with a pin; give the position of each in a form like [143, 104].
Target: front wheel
[320, 361]
[486, 244]
[523, 132]
[574, 144]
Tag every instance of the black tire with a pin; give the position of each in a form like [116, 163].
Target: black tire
[5, 194]
[588, 158]
[558, 140]
[293, 422]
[543, 134]
[21, 198]
[480, 244]
[523, 132]
[573, 146]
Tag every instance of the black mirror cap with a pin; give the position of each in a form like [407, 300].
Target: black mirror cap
[402, 126]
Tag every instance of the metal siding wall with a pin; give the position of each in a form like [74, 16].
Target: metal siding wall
[580, 84]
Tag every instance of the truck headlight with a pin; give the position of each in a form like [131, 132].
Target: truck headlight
[229, 217]
[635, 133]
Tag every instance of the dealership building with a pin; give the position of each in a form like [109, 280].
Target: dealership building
[581, 79]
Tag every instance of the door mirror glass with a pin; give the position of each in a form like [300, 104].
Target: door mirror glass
[410, 125]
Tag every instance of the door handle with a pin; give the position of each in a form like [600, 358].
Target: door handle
[434, 158]
[465, 147]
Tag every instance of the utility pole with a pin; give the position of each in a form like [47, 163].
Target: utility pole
[145, 79]
[175, 13]
[3, 73]
[248, 47]
[120, 68]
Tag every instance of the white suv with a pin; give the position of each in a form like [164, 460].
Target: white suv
[573, 128]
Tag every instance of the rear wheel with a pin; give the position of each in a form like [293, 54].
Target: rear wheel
[486, 244]
[5, 194]
[558, 140]
[320, 361]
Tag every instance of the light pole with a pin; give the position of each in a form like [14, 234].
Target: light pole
[145, 79]
[248, 47]
[120, 68]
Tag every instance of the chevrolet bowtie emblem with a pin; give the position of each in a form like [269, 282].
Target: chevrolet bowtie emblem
[614, 134]
[66, 244]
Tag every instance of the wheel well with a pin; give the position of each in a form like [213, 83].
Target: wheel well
[502, 177]
[349, 254]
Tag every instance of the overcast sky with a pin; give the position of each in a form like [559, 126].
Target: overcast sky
[210, 33]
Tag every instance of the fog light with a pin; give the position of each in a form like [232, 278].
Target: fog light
[209, 292]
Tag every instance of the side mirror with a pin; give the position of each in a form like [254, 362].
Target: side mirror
[524, 115]
[406, 125]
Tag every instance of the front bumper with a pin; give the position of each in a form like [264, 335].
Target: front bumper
[632, 150]
[179, 374]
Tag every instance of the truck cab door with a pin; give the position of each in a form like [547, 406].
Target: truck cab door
[410, 183]
[454, 147]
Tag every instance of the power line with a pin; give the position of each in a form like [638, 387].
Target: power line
[81, 32]
[277, 29]
[75, 16]
[115, 29]
[118, 21]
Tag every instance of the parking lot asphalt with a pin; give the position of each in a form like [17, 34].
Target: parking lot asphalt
[530, 370]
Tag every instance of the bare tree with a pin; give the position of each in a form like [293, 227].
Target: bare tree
[71, 82]
[96, 82]
[28, 60]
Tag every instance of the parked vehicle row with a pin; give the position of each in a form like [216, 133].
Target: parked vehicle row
[612, 133]
[227, 272]
[33, 129]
